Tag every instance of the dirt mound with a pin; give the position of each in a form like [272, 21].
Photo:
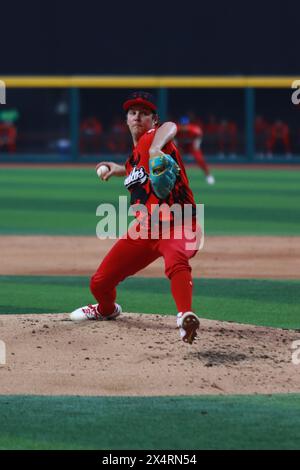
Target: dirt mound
[143, 355]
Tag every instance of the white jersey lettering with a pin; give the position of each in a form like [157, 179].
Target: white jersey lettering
[136, 176]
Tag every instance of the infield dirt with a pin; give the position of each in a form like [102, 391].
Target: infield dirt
[222, 257]
[143, 354]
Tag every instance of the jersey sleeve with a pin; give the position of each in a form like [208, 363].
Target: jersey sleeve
[143, 148]
[168, 148]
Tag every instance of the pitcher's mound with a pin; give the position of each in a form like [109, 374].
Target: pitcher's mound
[143, 355]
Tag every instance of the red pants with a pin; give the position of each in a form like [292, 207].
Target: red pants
[198, 156]
[285, 140]
[129, 256]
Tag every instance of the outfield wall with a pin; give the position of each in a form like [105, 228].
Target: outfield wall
[244, 119]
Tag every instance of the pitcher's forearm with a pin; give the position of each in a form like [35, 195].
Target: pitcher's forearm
[120, 170]
[114, 170]
[164, 134]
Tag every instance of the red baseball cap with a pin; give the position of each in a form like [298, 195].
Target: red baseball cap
[140, 97]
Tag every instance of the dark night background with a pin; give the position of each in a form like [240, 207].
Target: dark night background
[155, 38]
[194, 37]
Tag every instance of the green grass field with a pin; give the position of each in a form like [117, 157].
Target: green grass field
[63, 202]
[233, 422]
[259, 302]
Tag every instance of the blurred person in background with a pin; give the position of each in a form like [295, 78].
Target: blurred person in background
[227, 138]
[91, 131]
[211, 129]
[279, 139]
[8, 137]
[62, 119]
[189, 138]
[194, 119]
[117, 140]
[8, 130]
[261, 129]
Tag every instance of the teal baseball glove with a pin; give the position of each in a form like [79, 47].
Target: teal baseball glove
[163, 173]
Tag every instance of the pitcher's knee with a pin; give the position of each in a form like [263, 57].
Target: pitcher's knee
[172, 269]
[103, 281]
[98, 284]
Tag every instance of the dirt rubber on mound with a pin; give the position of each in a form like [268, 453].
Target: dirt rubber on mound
[143, 355]
[222, 257]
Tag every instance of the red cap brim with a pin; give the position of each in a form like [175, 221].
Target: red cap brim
[129, 103]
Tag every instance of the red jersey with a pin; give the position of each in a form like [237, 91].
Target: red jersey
[138, 181]
[188, 132]
[280, 130]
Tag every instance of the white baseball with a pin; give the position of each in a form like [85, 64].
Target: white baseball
[102, 170]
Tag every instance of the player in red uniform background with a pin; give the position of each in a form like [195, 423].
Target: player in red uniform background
[279, 134]
[130, 255]
[91, 131]
[189, 138]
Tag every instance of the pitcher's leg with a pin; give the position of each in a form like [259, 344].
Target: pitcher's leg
[126, 258]
[176, 253]
[182, 290]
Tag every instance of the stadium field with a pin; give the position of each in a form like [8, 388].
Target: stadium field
[64, 201]
[246, 202]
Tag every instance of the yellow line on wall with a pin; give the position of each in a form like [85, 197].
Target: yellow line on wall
[146, 82]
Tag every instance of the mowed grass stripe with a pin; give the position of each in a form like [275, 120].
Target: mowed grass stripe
[64, 201]
[220, 422]
[77, 205]
[261, 302]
